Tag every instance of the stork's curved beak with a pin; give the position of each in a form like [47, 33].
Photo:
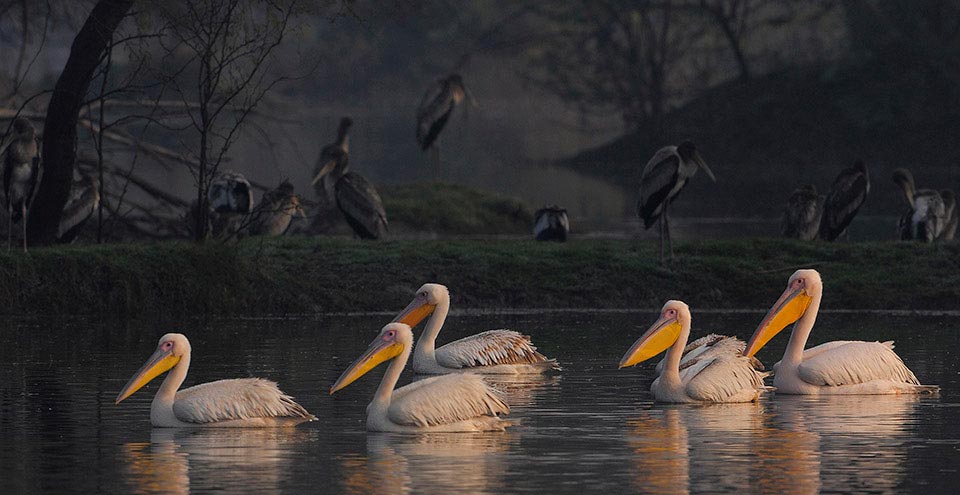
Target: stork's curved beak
[415, 312]
[378, 352]
[156, 365]
[655, 340]
[327, 167]
[702, 164]
[788, 309]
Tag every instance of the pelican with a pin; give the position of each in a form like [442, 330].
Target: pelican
[839, 367]
[718, 377]
[928, 216]
[490, 352]
[449, 403]
[551, 224]
[21, 166]
[83, 202]
[273, 216]
[231, 199]
[243, 402]
[663, 178]
[801, 216]
[434, 111]
[844, 200]
[355, 196]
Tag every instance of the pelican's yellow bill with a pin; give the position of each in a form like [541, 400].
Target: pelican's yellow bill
[788, 309]
[415, 313]
[376, 354]
[159, 362]
[657, 339]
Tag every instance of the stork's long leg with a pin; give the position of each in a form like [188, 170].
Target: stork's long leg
[9, 228]
[660, 221]
[666, 222]
[23, 219]
[435, 154]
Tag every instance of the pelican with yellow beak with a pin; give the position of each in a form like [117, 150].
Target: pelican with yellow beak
[243, 402]
[450, 403]
[491, 352]
[838, 367]
[713, 377]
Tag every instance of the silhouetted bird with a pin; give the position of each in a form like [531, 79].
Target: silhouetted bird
[21, 167]
[927, 217]
[950, 203]
[272, 217]
[338, 150]
[801, 216]
[434, 111]
[231, 199]
[844, 200]
[551, 224]
[663, 178]
[82, 204]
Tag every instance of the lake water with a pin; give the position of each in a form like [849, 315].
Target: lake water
[590, 429]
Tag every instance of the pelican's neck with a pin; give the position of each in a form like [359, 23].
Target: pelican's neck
[390, 378]
[671, 366]
[161, 410]
[801, 332]
[428, 339]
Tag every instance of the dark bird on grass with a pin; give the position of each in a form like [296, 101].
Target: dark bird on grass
[551, 224]
[434, 111]
[336, 151]
[21, 167]
[663, 178]
[273, 216]
[230, 199]
[950, 203]
[927, 216]
[844, 200]
[801, 216]
[82, 204]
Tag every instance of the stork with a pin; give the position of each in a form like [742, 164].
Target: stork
[434, 111]
[21, 167]
[846, 196]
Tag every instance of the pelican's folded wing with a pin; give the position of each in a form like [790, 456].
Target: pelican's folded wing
[243, 398]
[855, 363]
[724, 377]
[490, 348]
[446, 399]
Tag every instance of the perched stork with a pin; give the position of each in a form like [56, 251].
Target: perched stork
[663, 178]
[273, 216]
[838, 367]
[927, 217]
[950, 203]
[801, 216]
[83, 202]
[450, 403]
[434, 111]
[231, 199]
[21, 168]
[717, 377]
[336, 151]
[844, 200]
[551, 224]
[243, 402]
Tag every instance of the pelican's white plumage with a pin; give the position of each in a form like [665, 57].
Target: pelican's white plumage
[840, 367]
[449, 403]
[244, 402]
[494, 351]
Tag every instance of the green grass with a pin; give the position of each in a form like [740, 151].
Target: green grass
[453, 209]
[297, 275]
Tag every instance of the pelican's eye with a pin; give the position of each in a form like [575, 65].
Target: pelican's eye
[390, 334]
[167, 345]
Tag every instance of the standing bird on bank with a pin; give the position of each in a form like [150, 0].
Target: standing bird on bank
[950, 203]
[491, 352]
[434, 111]
[230, 199]
[927, 217]
[243, 402]
[273, 216]
[336, 151]
[838, 367]
[801, 216]
[663, 178]
[21, 168]
[355, 196]
[82, 204]
[551, 224]
[844, 200]
[450, 403]
[714, 377]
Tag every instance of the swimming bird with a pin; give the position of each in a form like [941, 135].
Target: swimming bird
[846, 196]
[273, 216]
[801, 216]
[493, 351]
[230, 198]
[434, 111]
[838, 367]
[927, 217]
[82, 204]
[339, 150]
[21, 167]
[242, 402]
[551, 224]
[450, 403]
[664, 176]
[719, 377]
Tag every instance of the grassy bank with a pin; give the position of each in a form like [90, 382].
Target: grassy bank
[297, 275]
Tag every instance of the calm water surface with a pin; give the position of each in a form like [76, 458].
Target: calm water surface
[590, 429]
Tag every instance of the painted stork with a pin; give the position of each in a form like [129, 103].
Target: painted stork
[801, 216]
[717, 377]
[434, 111]
[950, 203]
[336, 151]
[450, 403]
[551, 224]
[927, 217]
[230, 199]
[663, 178]
[838, 367]
[21, 168]
[83, 203]
[273, 216]
[243, 402]
[846, 196]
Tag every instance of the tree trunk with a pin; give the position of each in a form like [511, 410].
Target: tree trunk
[59, 153]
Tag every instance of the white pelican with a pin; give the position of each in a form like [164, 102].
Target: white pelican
[801, 216]
[551, 224]
[664, 176]
[719, 377]
[242, 402]
[273, 216]
[846, 196]
[449, 403]
[493, 351]
[839, 367]
[21, 167]
[928, 215]
[83, 202]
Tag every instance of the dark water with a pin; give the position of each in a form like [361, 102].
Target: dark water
[591, 429]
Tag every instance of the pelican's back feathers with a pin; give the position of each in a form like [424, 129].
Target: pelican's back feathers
[446, 399]
[236, 399]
